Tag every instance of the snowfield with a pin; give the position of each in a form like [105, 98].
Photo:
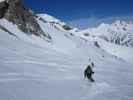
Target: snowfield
[122, 52]
[33, 69]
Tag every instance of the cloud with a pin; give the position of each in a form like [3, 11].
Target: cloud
[84, 23]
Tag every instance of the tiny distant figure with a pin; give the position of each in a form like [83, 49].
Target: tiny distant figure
[88, 73]
[96, 44]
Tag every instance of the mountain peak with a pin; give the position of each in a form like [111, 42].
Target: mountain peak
[121, 23]
[49, 18]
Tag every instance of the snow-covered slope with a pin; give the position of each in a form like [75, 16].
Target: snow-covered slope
[115, 38]
[35, 69]
[122, 52]
[32, 72]
[58, 24]
[50, 67]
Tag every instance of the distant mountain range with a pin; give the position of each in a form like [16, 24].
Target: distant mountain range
[120, 32]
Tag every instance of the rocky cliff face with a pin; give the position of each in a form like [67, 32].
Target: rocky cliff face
[15, 12]
[3, 8]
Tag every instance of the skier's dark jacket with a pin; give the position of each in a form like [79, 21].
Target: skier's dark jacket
[88, 72]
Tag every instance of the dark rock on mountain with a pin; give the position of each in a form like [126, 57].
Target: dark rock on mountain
[25, 19]
[3, 8]
[96, 44]
[66, 27]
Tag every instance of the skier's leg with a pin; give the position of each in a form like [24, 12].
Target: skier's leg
[89, 76]
[92, 80]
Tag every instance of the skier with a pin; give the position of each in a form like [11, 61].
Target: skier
[88, 73]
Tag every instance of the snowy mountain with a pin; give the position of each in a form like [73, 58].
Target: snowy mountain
[42, 58]
[58, 24]
[24, 19]
[115, 38]
[119, 32]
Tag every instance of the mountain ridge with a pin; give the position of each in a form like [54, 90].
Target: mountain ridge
[119, 32]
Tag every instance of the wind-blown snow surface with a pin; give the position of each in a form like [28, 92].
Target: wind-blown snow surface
[122, 52]
[29, 71]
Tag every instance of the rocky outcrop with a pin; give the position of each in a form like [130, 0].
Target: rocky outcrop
[15, 12]
[3, 8]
